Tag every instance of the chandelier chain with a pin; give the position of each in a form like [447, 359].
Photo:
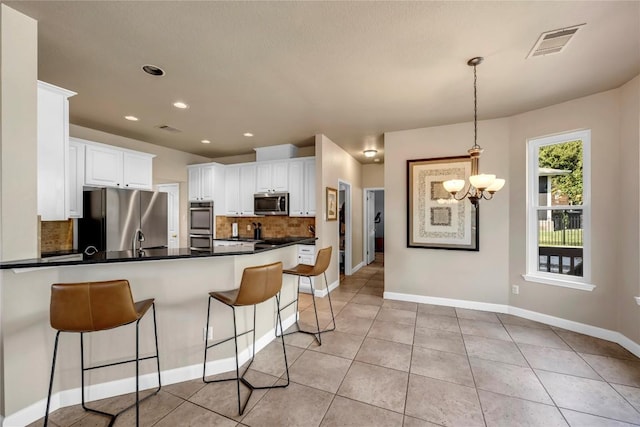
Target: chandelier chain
[475, 109]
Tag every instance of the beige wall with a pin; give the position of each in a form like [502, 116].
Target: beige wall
[629, 203]
[337, 164]
[246, 158]
[475, 276]
[372, 176]
[600, 113]
[18, 140]
[169, 165]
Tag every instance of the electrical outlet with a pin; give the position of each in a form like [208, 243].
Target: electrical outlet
[515, 289]
[209, 335]
[248, 227]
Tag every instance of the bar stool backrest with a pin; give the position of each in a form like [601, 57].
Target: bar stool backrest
[322, 261]
[259, 284]
[91, 306]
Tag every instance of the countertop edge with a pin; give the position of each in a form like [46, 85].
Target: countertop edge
[37, 262]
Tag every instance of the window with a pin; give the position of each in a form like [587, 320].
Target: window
[558, 210]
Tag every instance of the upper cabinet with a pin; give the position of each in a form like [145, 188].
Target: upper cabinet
[272, 177]
[240, 184]
[302, 187]
[52, 152]
[206, 183]
[108, 166]
[76, 177]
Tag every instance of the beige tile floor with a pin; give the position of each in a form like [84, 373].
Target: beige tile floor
[392, 363]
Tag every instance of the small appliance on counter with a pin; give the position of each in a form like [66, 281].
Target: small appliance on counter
[234, 230]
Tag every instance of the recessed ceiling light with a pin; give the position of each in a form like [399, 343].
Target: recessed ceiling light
[132, 118]
[248, 134]
[181, 105]
[153, 70]
[370, 153]
[206, 141]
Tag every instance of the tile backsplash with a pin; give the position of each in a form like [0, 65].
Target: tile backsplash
[56, 236]
[272, 226]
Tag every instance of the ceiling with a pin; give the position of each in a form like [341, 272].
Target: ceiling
[285, 71]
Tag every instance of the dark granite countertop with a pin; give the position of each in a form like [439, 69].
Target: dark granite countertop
[224, 247]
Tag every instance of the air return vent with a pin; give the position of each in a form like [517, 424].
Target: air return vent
[169, 128]
[552, 42]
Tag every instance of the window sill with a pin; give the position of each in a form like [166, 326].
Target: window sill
[557, 282]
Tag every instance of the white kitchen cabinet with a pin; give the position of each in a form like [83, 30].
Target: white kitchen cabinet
[76, 177]
[206, 183]
[137, 170]
[52, 152]
[306, 255]
[302, 187]
[231, 190]
[272, 177]
[240, 183]
[107, 166]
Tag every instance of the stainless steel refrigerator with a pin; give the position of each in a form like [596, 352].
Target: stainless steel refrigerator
[112, 219]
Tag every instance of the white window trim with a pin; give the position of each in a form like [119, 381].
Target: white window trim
[533, 275]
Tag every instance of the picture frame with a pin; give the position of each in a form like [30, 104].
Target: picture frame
[435, 219]
[332, 204]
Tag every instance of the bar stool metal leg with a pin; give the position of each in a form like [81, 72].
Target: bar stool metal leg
[53, 369]
[240, 377]
[137, 362]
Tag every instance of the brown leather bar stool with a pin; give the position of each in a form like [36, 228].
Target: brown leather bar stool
[303, 270]
[258, 284]
[98, 306]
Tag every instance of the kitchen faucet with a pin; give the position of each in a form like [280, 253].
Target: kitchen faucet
[138, 236]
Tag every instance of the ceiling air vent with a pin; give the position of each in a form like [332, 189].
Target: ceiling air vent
[169, 128]
[554, 41]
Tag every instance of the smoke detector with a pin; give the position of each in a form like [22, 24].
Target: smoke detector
[552, 42]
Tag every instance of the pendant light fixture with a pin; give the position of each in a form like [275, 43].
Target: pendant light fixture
[481, 186]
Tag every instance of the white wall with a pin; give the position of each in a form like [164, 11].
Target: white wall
[373, 176]
[333, 164]
[629, 202]
[18, 135]
[476, 276]
[600, 113]
[614, 119]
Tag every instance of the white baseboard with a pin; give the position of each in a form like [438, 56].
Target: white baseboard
[498, 308]
[357, 267]
[319, 292]
[93, 392]
[594, 331]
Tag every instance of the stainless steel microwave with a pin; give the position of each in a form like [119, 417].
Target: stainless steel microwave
[271, 204]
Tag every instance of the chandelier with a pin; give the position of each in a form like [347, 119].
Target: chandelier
[481, 185]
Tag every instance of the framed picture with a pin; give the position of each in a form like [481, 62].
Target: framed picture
[332, 204]
[435, 220]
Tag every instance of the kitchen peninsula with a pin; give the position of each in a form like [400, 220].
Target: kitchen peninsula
[178, 279]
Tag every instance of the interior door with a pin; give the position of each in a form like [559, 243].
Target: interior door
[371, 227]
[173, 214]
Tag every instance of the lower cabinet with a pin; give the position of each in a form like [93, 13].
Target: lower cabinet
[307, 255]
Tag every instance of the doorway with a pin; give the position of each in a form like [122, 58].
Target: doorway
[173, 213]
[374, 223]
[344, 227]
